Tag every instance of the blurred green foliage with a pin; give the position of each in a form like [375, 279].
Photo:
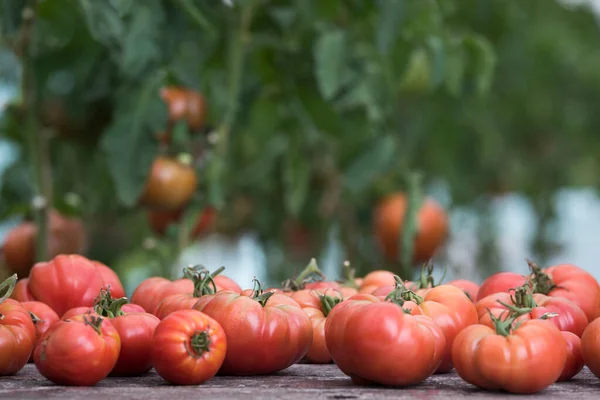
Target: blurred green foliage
[321, 107]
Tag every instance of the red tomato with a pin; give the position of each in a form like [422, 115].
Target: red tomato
[21, 292]
[524, 360]
[188, 347]
[469, 287]
[570, 282]
[17, 333]
[67, 281]
[569, 316]
[266, 333]
[375, 279]
[590, 346]
[111, 280]
[42, 317]
[574, 363]
[225, 283]
[78, 352]
[153, 290]
[501, 282]
[375, 341]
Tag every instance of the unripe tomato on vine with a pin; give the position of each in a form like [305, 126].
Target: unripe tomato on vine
[432, 227]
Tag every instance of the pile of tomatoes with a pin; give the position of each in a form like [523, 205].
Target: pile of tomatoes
[519, 333]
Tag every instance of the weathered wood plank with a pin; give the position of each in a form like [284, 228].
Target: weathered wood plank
[297, 382]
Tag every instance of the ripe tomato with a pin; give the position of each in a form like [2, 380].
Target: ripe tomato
[470, 288]
[67, 281]
[376, 279]
[501, 282]
[17, 333]
[590, 346]
[185, 104]
[80, 351]
[19, 248]
[160, 220]
[574, 363]
[569, 316]
[188, 347]
[21, 293]
[375, 341]
[266, 333]
[170, 185]
[389, 220]
[153, 290]
[570, 282]
[42, 317]
[524, 360]
[111, 280]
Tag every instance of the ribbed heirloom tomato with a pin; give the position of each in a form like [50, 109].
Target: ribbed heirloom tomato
[574, 362]
[17, 333]
[522, 360]
[21, 292]
[569, 316]
[376, 279]
[42, 317]
[188, 347]
[590, 346]
[266, 332]
[80, 351]
[378, 341]
[501, 282]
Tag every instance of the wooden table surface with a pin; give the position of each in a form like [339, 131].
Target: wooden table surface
[302, 381]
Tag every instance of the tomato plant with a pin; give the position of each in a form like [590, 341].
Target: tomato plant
[81, 362]
[431, 231]
[266, 332]
[42, 317]
[590, 346]
[569, 317]
[188, 347]
[170, 185]
[378, 341]
[69, 281]
[574, 363]
[17, 332]
[525, 359]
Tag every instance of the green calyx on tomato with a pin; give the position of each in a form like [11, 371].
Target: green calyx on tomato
[94, 322]
[312, 273]
[504, 326]
[426, 280]
[328, 302]
[199, 344]
[204, 283]
[523, 297]
[401, 294]
[542, 283]
[8, 286]
[258, 293]
[106, 306]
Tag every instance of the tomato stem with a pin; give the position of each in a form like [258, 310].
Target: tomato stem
[349, 276]
[504, 326]
[94, 322]
[542, 283]
[204, 283]
[523, 297]
[401, 294]
[8, 285]
[328, 302]
[426, 280]
[199, 343]
[34, 318]
[311, 273]
[258, 293]
[106, 306]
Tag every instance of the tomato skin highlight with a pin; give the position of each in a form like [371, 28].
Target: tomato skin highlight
[260, 340]
[528, 360]
[590, 346]
[574, 363]
[17, 337]
[375, 341]
[73, 353]
[173, 354]
[136, 331]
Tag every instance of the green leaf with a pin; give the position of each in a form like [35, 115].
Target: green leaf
[330, 58]
[391, 16]
[104, 22]
[376, 160]
[484, 58]
[129, 142]
[296, 179]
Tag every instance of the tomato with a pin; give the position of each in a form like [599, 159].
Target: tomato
[188, 347]
[42, 317]
[185, 104]
[310, 277]
[570, 282]
[226, 283]
[375, 341]
[153, 290]
[574, 363]
[126, 308]
[501, 282]
[21, 292]
[389, 220]
[470, 288]
[170, 185]
[196, 110]
[590, 346]
[376, 279]
[204, 284]
[569, 316]
[65, 235]
[266, 333]
[111, 279]
[522, 360]
[80, 351]
[17, 332]
[160, 220]
[67, 281]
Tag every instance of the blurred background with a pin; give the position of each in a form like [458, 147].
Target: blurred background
[257, 134]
